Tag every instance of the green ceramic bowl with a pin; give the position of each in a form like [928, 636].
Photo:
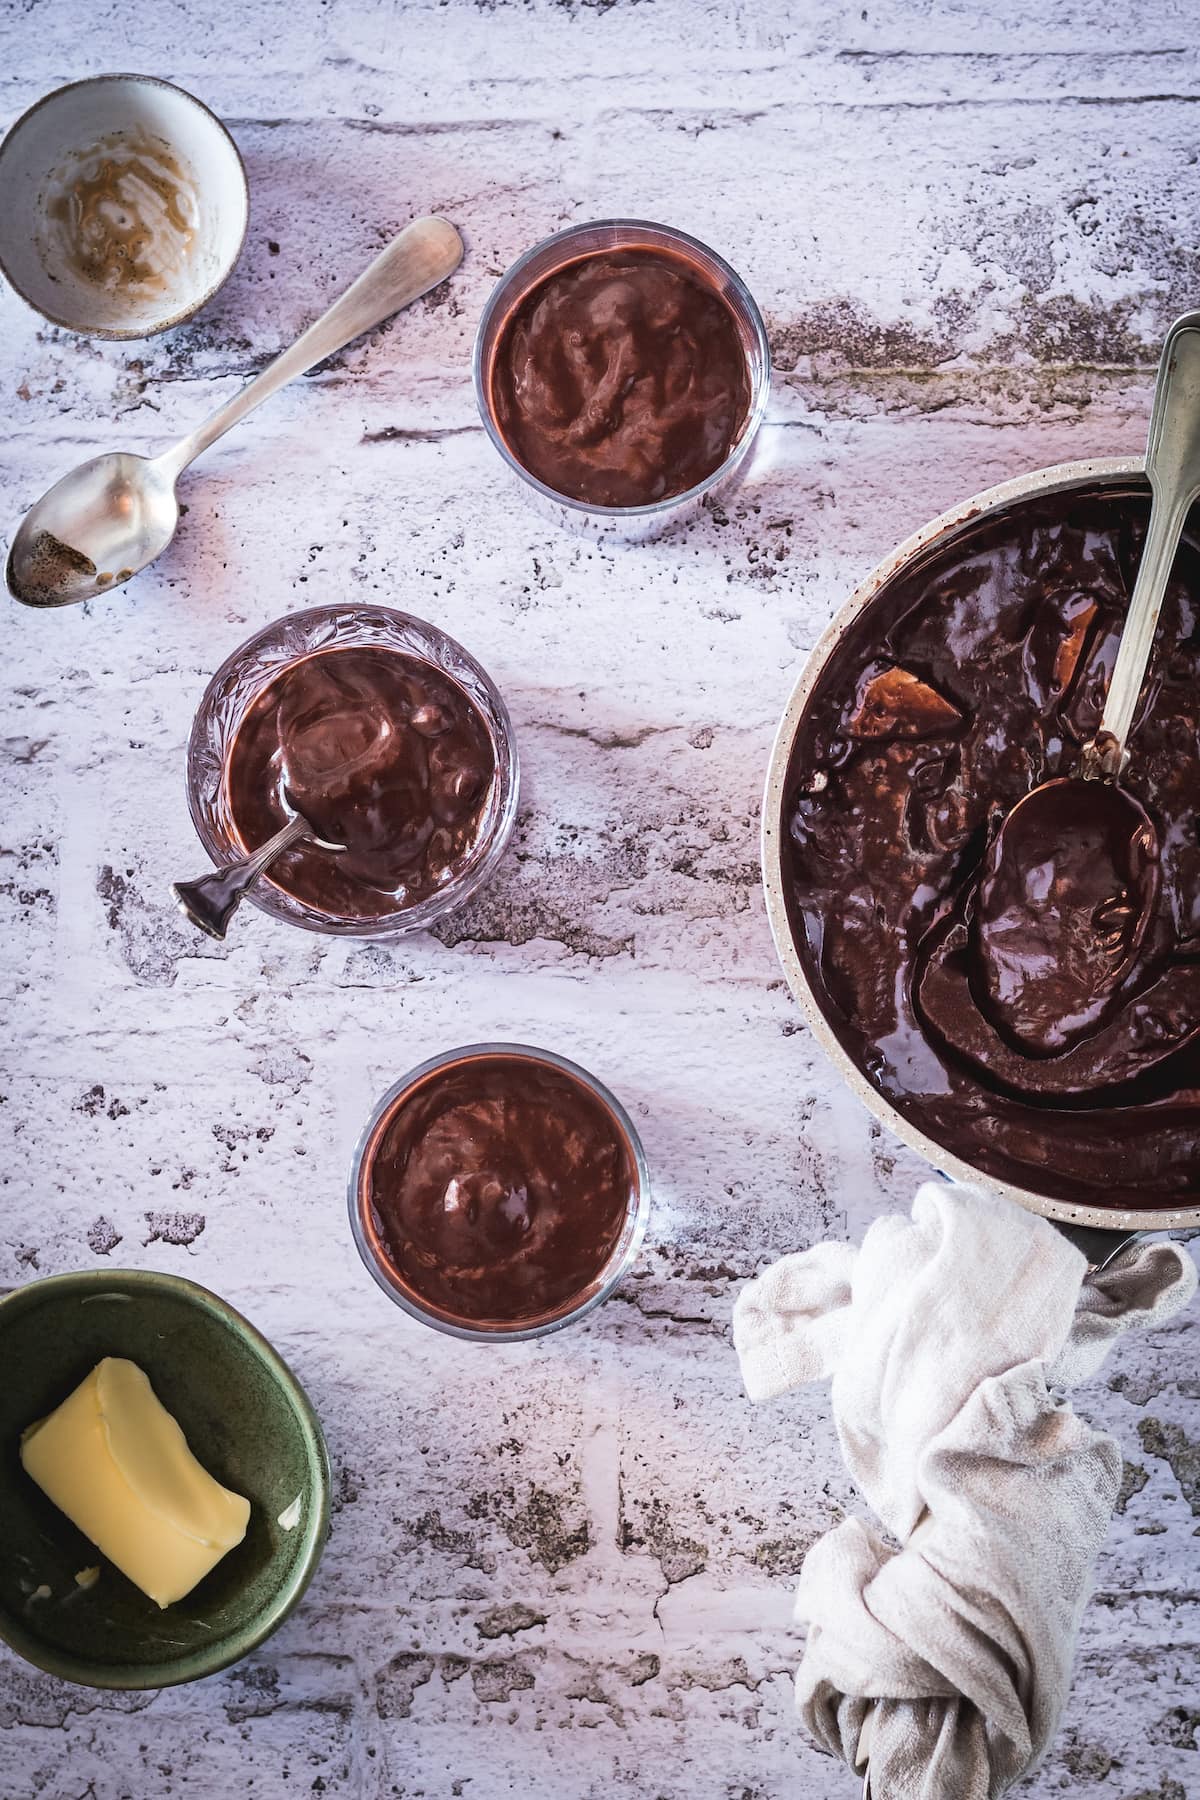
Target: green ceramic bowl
[249, 1423]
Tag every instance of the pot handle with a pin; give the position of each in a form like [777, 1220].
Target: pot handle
[1103, 1247]
[1099, 1246]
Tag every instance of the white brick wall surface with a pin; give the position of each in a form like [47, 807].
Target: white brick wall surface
[559, 1571]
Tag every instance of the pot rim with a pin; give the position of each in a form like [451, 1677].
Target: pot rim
[1057, 478]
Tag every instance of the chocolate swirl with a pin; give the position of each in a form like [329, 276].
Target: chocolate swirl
[622, 379]
[384, 755]
[500, 1189]
[1038, 1013]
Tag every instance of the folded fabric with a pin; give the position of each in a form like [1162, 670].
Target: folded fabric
[949, 1337]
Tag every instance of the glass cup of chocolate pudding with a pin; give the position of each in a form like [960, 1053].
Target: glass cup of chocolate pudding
[387, 737]
[498, 1192]
[622, 372]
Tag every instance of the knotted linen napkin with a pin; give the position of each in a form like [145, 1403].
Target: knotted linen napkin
[946, 1656]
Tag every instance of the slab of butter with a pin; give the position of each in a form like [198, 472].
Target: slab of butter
[114, 1460]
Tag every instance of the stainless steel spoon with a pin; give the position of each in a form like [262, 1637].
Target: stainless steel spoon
[112, 516]
[211, 901]
[1050, 815]
[1173, 471]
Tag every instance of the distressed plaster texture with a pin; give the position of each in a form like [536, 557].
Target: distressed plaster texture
[560, 1571]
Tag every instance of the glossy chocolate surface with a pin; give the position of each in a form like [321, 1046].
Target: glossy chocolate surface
[622, 378]
[1034, 1006]
[499, 1189]
[383, 754]
[1066, 893]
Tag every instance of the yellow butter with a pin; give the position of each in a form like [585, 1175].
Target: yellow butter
[114, 1460]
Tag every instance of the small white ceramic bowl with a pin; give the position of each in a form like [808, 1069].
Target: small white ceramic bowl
[123, 206]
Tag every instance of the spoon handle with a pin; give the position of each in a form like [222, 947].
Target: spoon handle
[421, 256]
[1173, 469]
[211, 901]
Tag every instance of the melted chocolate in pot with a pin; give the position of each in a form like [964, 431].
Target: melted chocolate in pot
[500, 1189]
[622, 378]
[383, 754]
[1064, 899]
[1038, 1014]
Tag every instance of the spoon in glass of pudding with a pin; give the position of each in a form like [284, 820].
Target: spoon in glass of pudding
[1070, 881]
[331, 742]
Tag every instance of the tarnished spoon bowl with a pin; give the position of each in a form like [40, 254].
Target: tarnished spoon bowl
[122, 506]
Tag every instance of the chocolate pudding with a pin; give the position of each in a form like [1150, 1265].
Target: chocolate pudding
[499, 1188]
[385, 756]
[621, 378]
[1036, 1011]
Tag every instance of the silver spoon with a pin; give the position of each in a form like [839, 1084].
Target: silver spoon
[1046, 816]
[1173, 471]
[112, 516]
[211, 901]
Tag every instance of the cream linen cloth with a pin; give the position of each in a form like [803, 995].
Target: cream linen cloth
[948, 1337]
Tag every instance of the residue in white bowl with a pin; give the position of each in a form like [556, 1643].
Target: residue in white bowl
[121, 215]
